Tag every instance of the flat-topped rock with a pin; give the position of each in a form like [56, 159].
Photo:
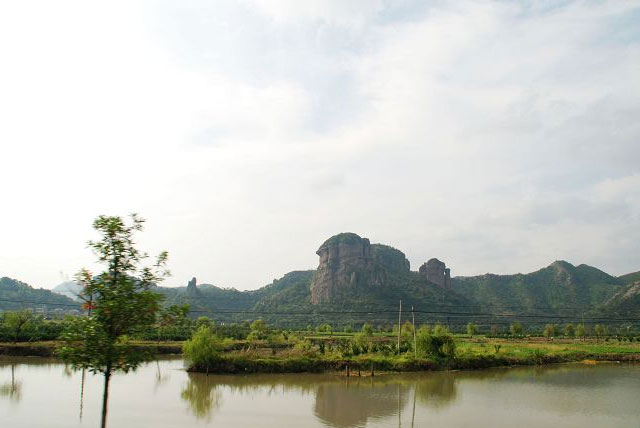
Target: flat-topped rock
[436, 272]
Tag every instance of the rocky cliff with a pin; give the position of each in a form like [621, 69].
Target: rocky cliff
[192, 289]
[436, 272]
[349, 262]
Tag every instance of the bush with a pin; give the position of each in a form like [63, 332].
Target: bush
[438, 344]
[203, 349]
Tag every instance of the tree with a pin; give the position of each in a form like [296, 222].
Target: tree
[17, 321]
[471, 329]
[440, 329]
[550, 331]
[438, 344]
[495, 330]
[204, 321]
[203, 349]
[407, 332]
[581, 331]
[324, 328]
[120, 300]
[569, 330]
[600, 330]
[172, 316]
[367, 329]
[516, 329]
[258, 330]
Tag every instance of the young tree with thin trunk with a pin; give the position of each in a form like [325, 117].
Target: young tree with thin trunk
[581, 331]
[120, 301]
[471, 329]
[17, 321]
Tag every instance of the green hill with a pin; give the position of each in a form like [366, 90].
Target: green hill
[630, 278]
[558, 288]
[15, 295]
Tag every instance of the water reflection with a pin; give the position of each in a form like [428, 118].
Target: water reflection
[337, 401]
[349, 404]
[162, 394]
[437, 390]
[202, 394]
[161, 378]
[13, 388]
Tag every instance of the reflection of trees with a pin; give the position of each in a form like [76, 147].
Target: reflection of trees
[202, 395]
[161, 378]
[437, 390]
[348, 404]
[13, 388]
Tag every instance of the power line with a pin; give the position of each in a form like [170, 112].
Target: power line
[389, 313]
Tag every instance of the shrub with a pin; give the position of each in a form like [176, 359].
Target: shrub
[203, 349]
[439, 344]
[516, 329]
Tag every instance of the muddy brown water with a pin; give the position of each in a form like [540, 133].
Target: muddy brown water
[37, 392]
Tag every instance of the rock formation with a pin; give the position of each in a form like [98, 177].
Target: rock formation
[436, 272]
[349, 262]
[192, 289]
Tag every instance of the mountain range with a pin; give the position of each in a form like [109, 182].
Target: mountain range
[357, 281]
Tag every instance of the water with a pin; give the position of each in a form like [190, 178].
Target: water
[38, 392]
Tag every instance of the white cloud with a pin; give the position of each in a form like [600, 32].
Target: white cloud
[495, 136]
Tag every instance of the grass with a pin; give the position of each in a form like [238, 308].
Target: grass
[471, 353]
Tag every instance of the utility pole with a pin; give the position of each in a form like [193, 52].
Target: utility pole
[413, 316]
[399, 325]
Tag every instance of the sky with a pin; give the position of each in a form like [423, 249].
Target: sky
[497, 136]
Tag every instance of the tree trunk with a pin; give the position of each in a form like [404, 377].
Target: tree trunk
[82, 392]
[105, 396]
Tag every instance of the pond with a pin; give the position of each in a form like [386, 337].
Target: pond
[36, 392]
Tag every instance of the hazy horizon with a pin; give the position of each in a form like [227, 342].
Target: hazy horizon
[496, 136]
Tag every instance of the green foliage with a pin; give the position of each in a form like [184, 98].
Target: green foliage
[471, 329]
[363, 343]
[14, 295]
[203, 349]
[348, 329]
[516, 329]
[600, 330]
[558, 285]
[258, 330]
[16, 322]
[120, 300]
[342, 238]
[367, 330]
[438, 344]
[550, 330]
[569, 330]
[204, 322]
[172, 322]
[440, 330]
[324, 328]
[581, 330]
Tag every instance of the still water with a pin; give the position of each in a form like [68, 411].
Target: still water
[43, 393]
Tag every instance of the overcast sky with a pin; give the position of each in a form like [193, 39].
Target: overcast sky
[496, 136]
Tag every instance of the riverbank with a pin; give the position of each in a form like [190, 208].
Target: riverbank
[476, 353]
[366, 365]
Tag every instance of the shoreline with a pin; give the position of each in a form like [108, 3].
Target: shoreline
[234, 362]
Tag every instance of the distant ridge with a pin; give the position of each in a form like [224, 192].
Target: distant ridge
[15, 295]
[355, 275]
